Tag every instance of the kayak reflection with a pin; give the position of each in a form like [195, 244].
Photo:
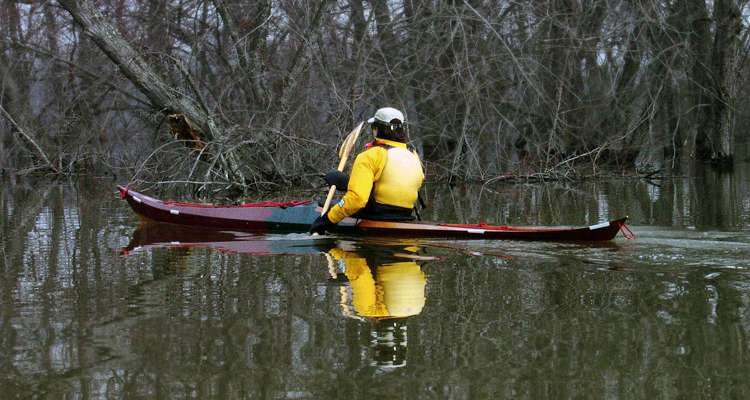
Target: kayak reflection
[154, 235]
[382, 284]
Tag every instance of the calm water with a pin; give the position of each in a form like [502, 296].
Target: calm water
[94, 306]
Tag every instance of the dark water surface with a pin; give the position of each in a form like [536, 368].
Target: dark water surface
[94, 306]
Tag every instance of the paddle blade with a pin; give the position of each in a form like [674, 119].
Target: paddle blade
[350, 140]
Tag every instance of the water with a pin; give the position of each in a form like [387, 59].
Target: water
[92, 306]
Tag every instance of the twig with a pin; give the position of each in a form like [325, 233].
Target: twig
[95, 75]
[29, 139]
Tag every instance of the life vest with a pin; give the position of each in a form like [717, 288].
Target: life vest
[400, 180]
[383, 185]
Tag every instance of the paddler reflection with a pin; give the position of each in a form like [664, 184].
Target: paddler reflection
[385, 286]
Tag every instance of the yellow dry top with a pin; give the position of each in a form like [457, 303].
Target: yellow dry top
[391, 173]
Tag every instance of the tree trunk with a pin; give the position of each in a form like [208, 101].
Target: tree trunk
[245, 47]
[714, 141]
[186, 118]
[357, 17]
[699, 39]
[11, 63]
[383, 25]
[132, 65]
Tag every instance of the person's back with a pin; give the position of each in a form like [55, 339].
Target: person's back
[385, 178]
[400, 179]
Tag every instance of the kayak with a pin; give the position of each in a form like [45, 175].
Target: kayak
[296, 216]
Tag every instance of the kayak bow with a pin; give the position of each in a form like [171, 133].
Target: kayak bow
[297, 217]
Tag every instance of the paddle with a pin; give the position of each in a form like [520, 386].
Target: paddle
[346, 148]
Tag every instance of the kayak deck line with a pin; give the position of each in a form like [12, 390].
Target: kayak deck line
[296, 216]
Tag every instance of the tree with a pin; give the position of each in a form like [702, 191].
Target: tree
[188, 117]
[714, 140]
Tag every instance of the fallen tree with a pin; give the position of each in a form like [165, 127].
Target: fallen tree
[188, 117]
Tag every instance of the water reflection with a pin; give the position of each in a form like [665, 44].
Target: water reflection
[380, 282]
[385, 286]
[150, 235]
[189, 314]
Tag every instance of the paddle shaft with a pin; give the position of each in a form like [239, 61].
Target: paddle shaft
[332, 190]
[346, 148]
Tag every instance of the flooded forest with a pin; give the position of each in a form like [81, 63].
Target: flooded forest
[257, 95]
[529, 116]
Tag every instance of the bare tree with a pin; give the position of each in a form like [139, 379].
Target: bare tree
[258, 90]
[714, 141]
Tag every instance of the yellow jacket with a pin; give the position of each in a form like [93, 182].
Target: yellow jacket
[392, 174]
[396, 290]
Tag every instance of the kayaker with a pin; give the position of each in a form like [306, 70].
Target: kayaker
[385, 178]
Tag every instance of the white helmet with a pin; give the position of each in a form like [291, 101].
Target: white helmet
[387, 115]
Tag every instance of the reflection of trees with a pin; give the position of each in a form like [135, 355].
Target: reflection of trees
[580, 331]
[20, 210]
[172, 323]
[715, 200]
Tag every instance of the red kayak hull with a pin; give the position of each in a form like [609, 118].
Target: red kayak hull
[298, 217]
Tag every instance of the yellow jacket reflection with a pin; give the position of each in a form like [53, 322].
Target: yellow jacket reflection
[390, 290]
